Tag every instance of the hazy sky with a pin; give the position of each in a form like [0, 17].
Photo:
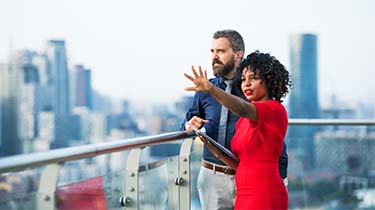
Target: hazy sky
[139, 49]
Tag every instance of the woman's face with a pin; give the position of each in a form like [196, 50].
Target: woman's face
[252, 86]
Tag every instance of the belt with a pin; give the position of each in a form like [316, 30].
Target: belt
[219, 168]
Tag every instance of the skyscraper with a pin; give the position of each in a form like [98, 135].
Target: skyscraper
[56, 54]
[9, 136]
[83, 87]
[303, 97]
[28, 96]
[58, 68]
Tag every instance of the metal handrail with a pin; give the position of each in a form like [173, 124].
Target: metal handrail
[354, 122]
[24, 161]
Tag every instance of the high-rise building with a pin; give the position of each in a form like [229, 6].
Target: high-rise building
[56, 54]
[29, 98]
[345, 152]
[46, 131]
[45, 92]
[58, 68]
[9, 136]
[303, 97]
[83, 93]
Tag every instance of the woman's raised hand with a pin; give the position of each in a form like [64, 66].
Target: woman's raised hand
[199, 79]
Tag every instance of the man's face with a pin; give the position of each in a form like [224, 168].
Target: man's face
[223, 58]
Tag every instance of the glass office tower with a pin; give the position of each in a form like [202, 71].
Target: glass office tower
[56, 54]
[9, 136]
[83, 87]
[303, 97]
[58, 68]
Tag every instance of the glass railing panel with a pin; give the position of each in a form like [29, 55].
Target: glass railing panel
[113, 189]
[74, 171]
[331, 167]
[195, 164]
[154, 179]
[86, 194]
[173, 199]
[18, 190]
[93, 183]
[101, 192]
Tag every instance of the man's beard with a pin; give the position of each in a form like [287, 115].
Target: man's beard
[224, 69]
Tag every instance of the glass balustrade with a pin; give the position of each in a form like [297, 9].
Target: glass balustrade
[332, 169]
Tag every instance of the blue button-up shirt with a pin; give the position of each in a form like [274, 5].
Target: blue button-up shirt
[207, 107]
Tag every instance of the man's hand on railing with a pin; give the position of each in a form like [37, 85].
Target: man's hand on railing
[197, 122]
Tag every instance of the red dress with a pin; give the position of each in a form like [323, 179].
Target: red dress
[258, 147]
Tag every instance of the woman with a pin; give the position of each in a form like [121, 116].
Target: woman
[260, 131]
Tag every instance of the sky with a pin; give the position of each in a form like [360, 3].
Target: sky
[139, 49]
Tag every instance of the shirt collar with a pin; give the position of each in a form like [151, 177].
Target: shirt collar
[221, 80]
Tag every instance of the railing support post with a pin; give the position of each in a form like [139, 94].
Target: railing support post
[47, 187]
[183, 179]
[131, 184]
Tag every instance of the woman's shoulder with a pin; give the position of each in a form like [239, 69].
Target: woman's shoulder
[272, 103]
[269, 105]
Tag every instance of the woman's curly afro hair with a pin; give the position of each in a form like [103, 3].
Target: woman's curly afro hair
[269, 70]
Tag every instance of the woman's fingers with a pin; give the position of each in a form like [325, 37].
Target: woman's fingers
[200, 71]
[189, 77]
[198, 78]
[189, 89]
[200, 74]
[194, 72]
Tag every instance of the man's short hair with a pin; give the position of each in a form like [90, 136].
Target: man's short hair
[234, 38]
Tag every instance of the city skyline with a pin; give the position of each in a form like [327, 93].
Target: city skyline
[139, 50]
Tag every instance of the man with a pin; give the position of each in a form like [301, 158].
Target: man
[216, 185]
